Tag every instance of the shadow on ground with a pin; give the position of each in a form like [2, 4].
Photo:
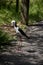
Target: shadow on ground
[14, 60]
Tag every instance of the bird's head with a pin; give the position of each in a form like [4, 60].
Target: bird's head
[13, 23]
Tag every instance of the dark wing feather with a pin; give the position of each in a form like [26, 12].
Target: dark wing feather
[22, 32]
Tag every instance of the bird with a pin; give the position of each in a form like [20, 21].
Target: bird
[18, 29]
[19, 33]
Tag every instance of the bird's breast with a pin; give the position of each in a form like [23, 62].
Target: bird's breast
[16, 29]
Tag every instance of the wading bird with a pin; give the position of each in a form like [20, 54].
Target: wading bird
[18, 30]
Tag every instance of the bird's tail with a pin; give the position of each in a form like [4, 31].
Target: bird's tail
[27, 36]
[22, 32]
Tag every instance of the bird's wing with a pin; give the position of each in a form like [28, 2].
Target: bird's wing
[23, 33]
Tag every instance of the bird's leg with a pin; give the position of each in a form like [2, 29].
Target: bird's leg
[20, 43]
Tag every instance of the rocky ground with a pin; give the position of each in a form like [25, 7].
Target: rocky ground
[25, 52]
